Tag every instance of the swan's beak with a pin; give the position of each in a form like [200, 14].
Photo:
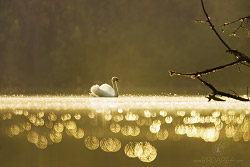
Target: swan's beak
[118, 80]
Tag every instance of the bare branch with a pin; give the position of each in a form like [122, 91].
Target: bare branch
[207, 84]
[236, 97]
[241, 20]
[240, 58]
[245, 64]
[220, 93]
[247, 93]
[233, 91]
[235, 52]
[212, 26]
[205, 72]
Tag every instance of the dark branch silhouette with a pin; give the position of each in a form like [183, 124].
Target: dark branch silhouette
[205, 72]
[240, 58]
[220, 93]
[236, 53]
[212, 26]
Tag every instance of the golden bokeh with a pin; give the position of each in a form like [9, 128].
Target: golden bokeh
[110, 127]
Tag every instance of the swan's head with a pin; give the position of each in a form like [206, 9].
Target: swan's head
[115, 79]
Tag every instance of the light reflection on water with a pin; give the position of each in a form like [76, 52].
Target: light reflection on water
[131, 124]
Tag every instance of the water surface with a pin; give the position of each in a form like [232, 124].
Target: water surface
[124, 131]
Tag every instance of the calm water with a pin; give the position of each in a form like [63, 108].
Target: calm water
[127, 131]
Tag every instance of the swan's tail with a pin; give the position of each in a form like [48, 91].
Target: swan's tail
[94, 89]
[93, 95]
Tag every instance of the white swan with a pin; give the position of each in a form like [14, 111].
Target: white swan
[105, 90]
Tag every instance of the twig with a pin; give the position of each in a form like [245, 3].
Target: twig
[247, 93]
[233, 91]
[245, 64]
[240, 58]
[220, 93]
[205, 72]
[237, 54]
[212, 26]
[242, 20]
[234, 32]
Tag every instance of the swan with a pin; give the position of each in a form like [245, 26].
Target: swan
[105, 90]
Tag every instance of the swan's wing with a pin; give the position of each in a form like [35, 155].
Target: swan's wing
[104, 90]
[109, 91]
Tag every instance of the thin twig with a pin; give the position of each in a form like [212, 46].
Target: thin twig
[235, 31]
[235, 52]
[205, 72]
[212, 26]
[247, 93]
[240, 58]
[242, 19]
[245, 64]
[233, 91]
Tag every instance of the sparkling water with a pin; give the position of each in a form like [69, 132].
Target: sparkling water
[124, 131]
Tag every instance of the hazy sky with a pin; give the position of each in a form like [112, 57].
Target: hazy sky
[65, 46]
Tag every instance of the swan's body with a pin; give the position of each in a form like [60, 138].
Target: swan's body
[105, 90]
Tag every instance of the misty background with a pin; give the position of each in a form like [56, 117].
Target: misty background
[66, 46]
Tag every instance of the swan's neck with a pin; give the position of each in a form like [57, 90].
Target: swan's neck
[115, 87]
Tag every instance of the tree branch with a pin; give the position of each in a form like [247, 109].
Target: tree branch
[241, 20]
[205, 72]
[237, 54]
[240, 59]
[212, 26]
[220, 93]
